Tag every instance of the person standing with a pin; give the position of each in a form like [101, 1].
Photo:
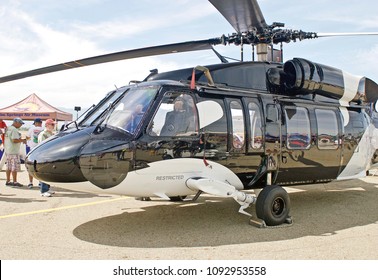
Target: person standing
[46, 133]
[32, 137]
[12, 143]
[3, 127]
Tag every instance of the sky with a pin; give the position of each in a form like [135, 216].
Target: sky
[38, 33]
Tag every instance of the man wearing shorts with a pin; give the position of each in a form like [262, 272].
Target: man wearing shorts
[12, 143]
[32, 138]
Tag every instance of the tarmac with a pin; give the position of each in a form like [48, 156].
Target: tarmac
[335, 221]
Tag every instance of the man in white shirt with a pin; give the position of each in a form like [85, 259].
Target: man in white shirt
[32, 137]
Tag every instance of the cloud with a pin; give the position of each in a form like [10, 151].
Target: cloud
[54, 32]
[142, 24]
[33, 44]
[29, 43]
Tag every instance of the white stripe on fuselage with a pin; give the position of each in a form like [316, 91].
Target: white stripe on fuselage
[361, 159]
[351, 83]
[165, 178]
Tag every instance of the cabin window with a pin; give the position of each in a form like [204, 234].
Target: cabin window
[176, 116]
[237, 118]
[357, 124]
[326, 121]
[255, 125]
[298, 128]
[272, 124]
[215, 134]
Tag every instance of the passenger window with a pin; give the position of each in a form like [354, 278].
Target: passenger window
[176, 116]
[219, 126]
[298, 128]
[255, 125]
[272, 124]
[271, 114]
[237, 117]
[327, 129]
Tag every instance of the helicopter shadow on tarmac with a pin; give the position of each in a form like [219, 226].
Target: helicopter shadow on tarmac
[215, 222]
[60, 192]
[14, 199]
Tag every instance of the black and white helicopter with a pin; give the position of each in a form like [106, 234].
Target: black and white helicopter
[221, 129]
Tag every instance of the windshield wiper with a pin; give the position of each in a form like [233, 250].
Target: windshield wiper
[85, 113]
[104, 117]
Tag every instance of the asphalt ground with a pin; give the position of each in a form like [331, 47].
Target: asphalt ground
[335, 221]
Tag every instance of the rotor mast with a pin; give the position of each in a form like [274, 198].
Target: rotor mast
[246, 18]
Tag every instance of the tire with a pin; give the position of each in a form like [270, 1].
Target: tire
[177, 198]
[273, 205]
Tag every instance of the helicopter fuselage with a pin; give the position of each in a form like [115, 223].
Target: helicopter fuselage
[297, 123]
[220, 129]
[253, 136]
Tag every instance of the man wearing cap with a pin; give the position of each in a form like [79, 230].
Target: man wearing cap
[32, 137]
[12, 145]
[46, 133]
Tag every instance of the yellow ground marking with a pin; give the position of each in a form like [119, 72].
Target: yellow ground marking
[63, 208]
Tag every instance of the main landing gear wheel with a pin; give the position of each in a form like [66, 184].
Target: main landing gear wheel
[177, 198]
[273, 205]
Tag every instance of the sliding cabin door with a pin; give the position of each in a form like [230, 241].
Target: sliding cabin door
[311, 144]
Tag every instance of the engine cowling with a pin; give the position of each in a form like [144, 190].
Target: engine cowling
[301, 76]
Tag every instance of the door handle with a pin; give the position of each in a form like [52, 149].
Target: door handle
[283, 159]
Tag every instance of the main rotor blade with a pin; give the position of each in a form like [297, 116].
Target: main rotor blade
[142, 52]
[346, 34]
[243, 15]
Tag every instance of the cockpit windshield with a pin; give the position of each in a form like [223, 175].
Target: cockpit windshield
[98, 113]
[128, 111]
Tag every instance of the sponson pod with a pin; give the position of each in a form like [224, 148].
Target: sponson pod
[301, 76]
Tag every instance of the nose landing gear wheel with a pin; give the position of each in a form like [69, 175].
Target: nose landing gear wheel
[273, 205]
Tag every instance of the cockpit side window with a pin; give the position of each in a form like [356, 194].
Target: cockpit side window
[176, 116]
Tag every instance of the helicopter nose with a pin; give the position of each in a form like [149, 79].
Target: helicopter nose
[105, 163]
[103, 158]
[56, 160]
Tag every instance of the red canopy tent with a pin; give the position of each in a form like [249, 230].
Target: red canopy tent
[33, 107]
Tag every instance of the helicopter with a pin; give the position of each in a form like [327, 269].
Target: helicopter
[241, 130]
